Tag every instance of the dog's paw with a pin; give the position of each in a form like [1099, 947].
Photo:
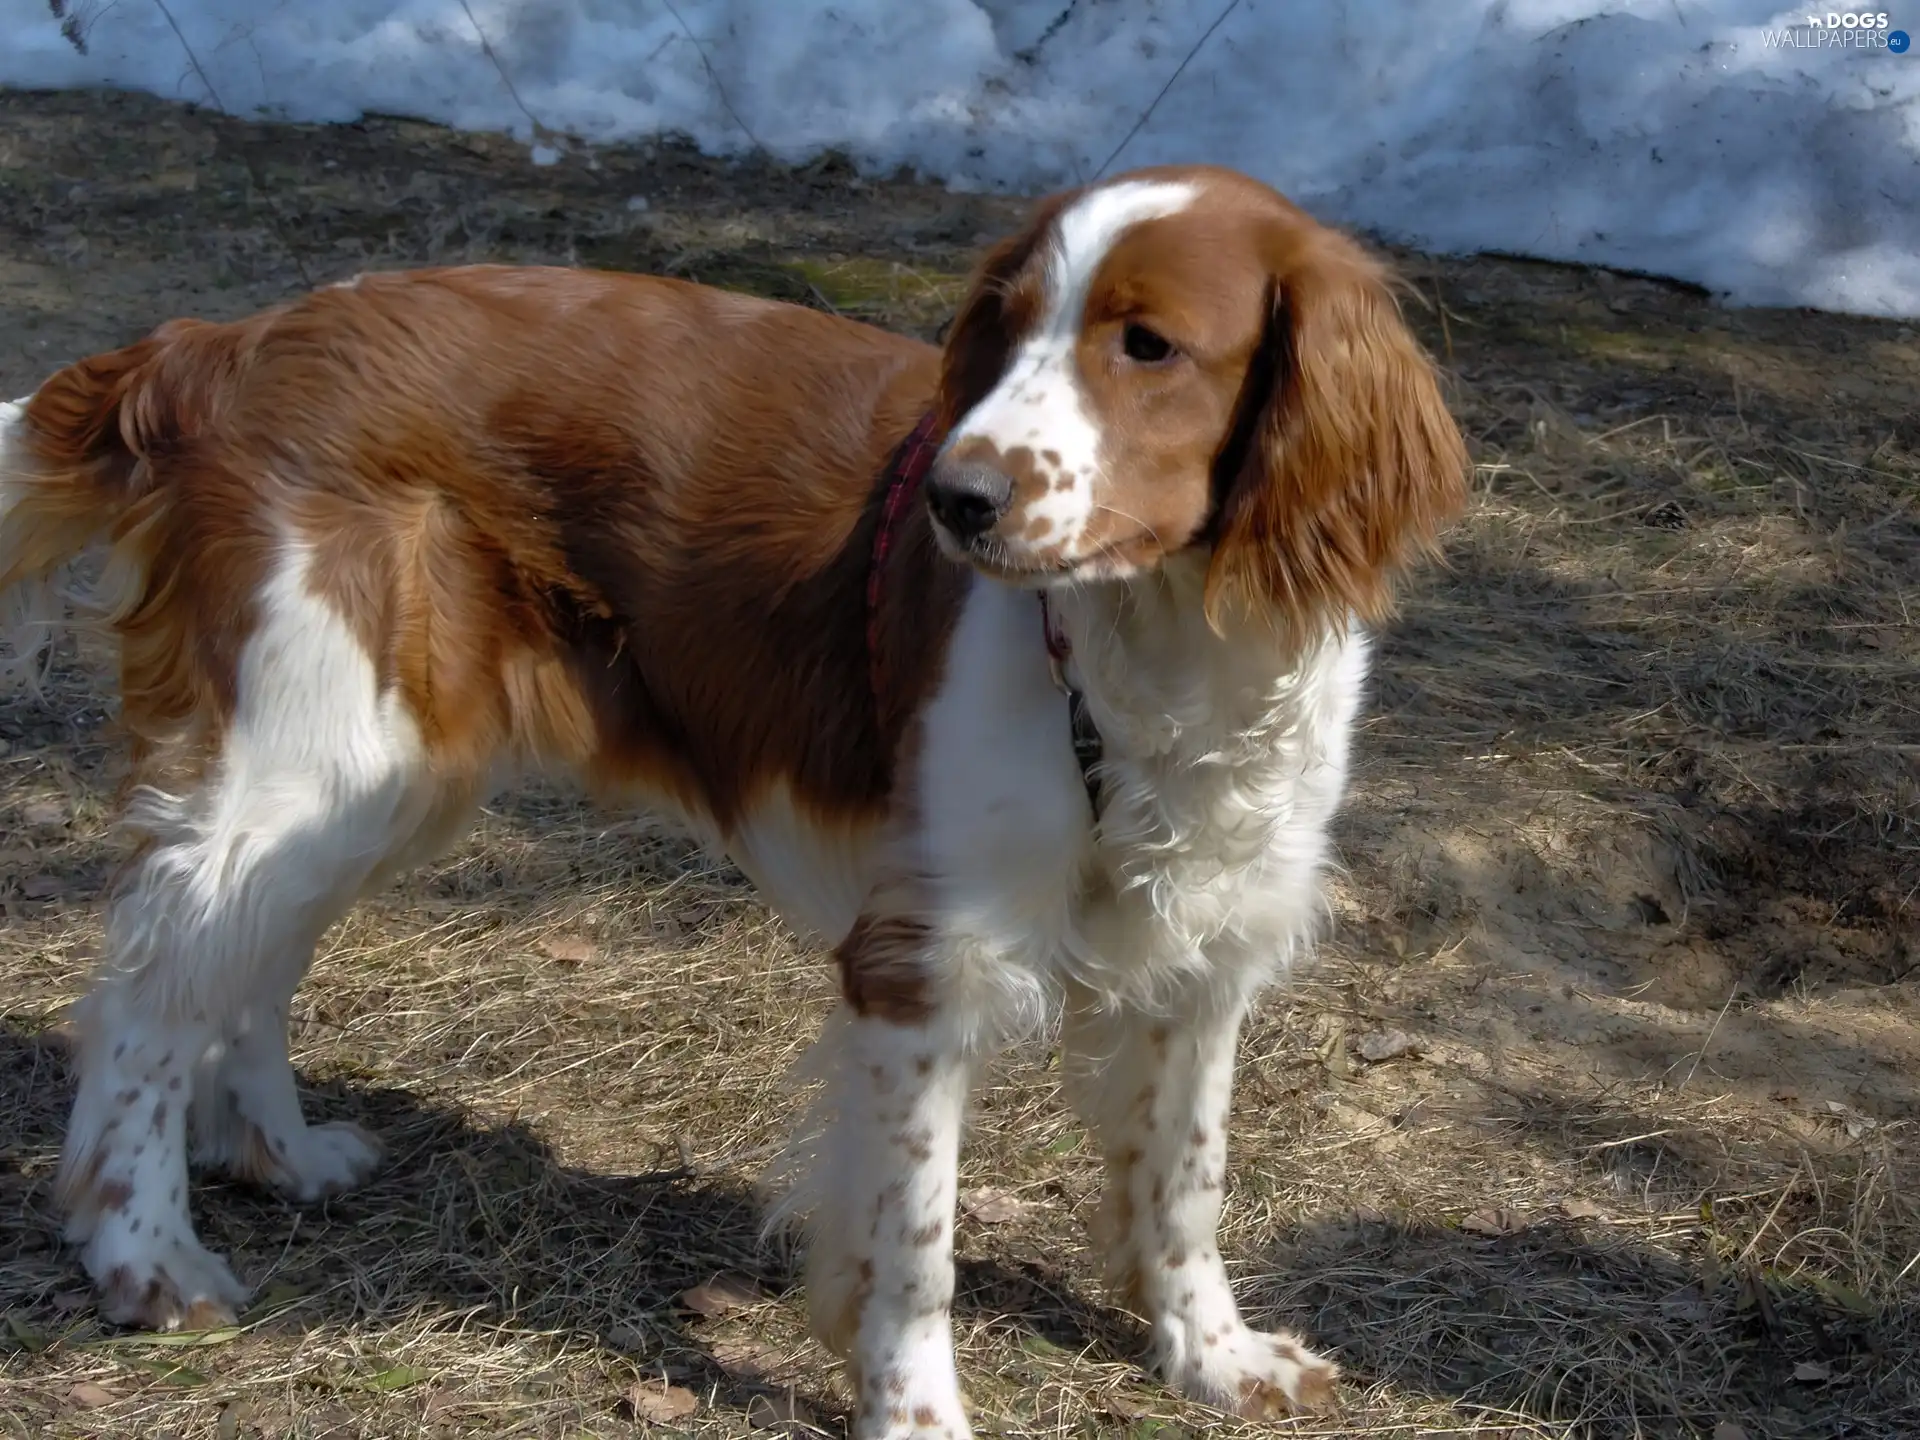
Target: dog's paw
[1258, 1376]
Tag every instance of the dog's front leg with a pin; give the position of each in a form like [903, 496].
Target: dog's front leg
[880, 1263]
[1156, 1090]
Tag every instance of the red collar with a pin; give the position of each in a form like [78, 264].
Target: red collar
[908, 468]
[904, 474]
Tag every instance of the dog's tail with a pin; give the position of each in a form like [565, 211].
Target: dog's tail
[78, 476]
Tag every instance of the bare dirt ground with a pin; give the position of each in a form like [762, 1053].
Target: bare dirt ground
[1633, 867]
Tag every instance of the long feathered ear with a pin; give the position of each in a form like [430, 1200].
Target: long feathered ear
[1347, 464]
[1002, 298]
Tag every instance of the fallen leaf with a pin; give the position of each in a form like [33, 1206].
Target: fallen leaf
[1581, 1209]
[1041, 1346]
[42, 887]
[994, 1207]
[89, 1396]
[743, 1358]
[166, 1371]
[1122, 1408]
[396, 1377]
[278, 1296]
[780, 1412]
[1490, 1220]
[722, 1295]
[167, 1339]
[660, 1403]
[45, 812]
[1812, 1372]
[1383, 1045]
[439, 1403]
[628, 1338]
[1333, 1052]
[1727, 1430]
[569, 949]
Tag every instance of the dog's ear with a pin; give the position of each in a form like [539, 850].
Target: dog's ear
[1346, 464]
[1003, 297]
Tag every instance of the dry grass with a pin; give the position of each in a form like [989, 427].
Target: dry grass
[1633, 857]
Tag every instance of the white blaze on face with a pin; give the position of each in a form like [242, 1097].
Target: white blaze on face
[1039, 404]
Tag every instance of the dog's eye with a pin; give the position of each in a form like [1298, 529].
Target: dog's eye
[1147, 347]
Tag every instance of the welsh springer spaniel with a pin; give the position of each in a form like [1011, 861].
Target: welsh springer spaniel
[370, 552]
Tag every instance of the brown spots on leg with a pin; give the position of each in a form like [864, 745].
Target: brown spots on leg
[883, 968]
[113, 1197]
[917, 1143]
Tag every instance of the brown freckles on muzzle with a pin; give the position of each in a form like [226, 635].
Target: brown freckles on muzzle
[979, 491]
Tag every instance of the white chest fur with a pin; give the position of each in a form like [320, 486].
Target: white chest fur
[1224, 761]
[1225, 757]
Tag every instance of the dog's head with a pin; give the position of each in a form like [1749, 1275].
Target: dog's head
[1181, 358]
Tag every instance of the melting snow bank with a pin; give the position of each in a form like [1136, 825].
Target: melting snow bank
[1718, 141]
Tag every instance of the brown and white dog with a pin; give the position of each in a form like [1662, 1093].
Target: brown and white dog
[371, 552]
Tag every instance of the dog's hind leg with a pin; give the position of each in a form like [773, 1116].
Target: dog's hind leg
[317, 778]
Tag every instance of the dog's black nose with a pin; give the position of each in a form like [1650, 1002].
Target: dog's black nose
[969, 498]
